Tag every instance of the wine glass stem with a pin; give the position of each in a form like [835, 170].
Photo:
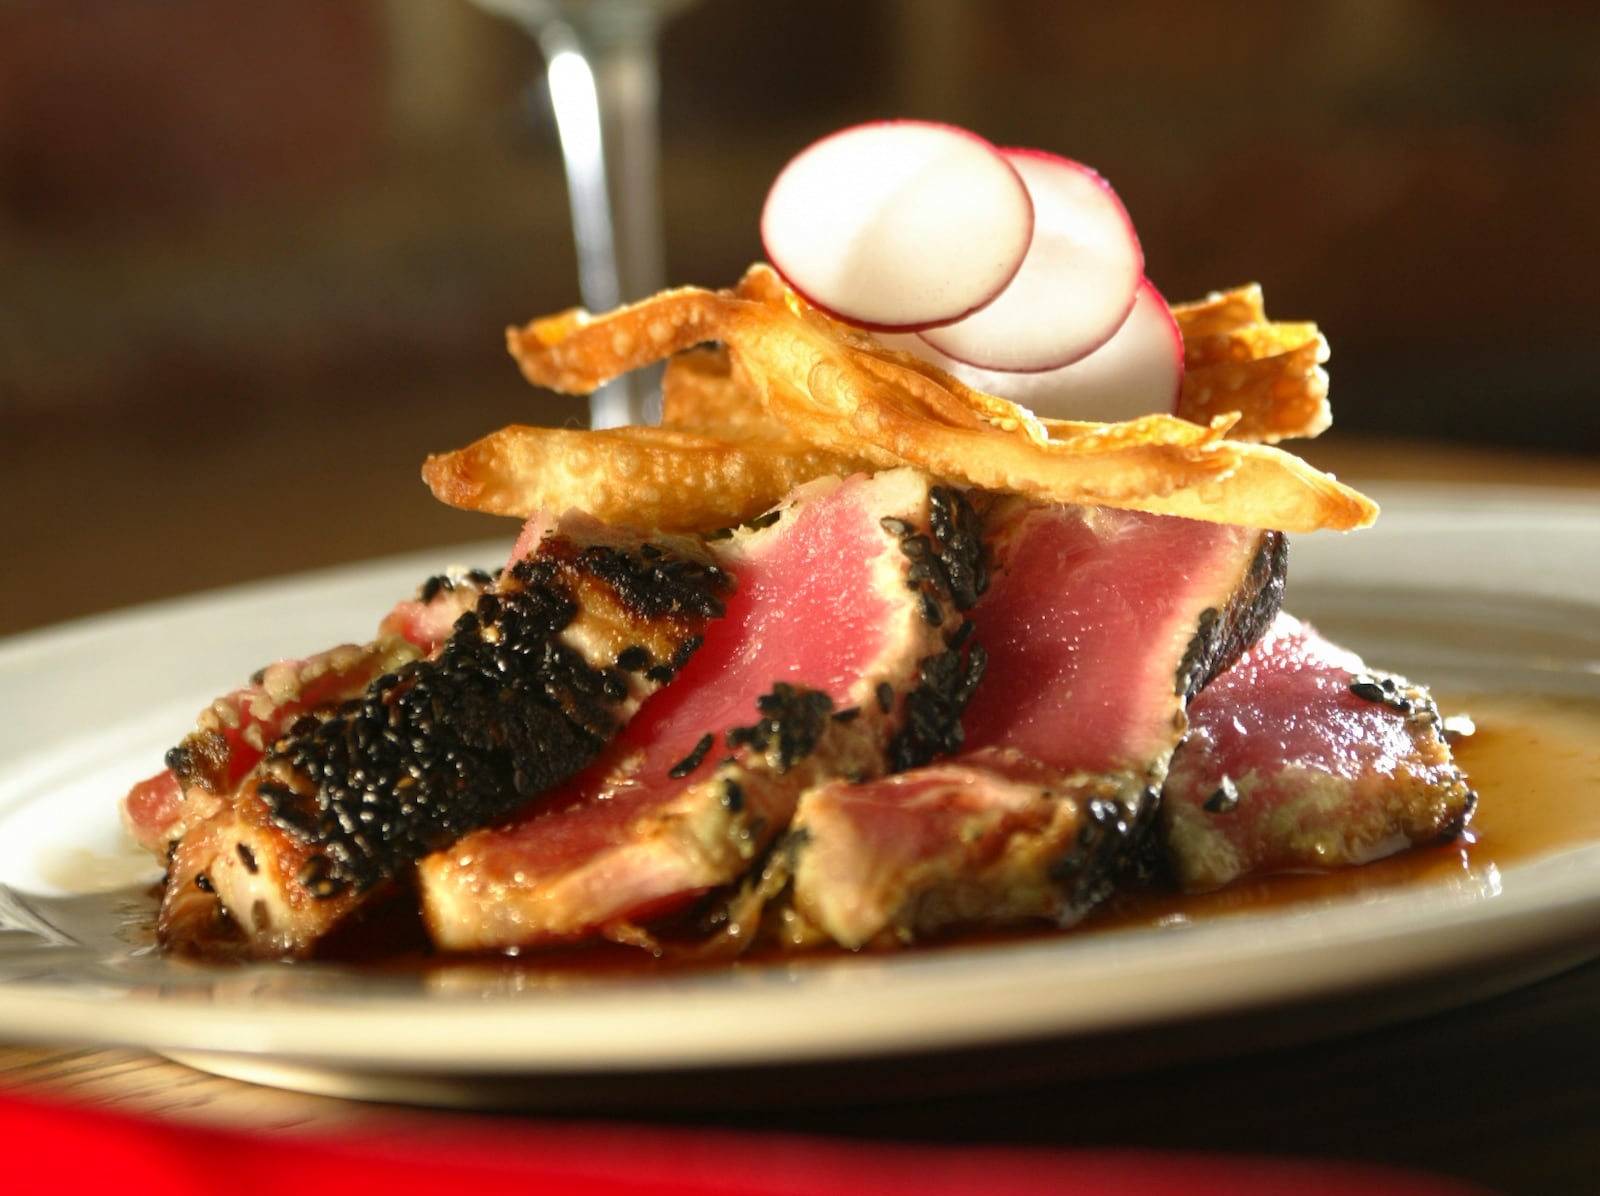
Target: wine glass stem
[603, 89]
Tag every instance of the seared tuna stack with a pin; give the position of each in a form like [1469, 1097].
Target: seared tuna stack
[887, 709]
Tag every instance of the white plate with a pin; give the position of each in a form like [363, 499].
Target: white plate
[1483, 588]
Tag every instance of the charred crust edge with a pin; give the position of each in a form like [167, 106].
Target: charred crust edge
[947, 567]
[1223, 635]
[792, 723]
[504, 711]
[946, 682]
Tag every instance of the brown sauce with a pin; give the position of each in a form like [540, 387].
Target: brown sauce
[1535, 763]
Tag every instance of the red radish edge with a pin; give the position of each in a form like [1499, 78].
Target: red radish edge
[1075, 286]
[1124, 378]
[864, 262]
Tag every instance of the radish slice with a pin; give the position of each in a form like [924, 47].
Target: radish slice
[1075, 286]
[1139, 371]
[898, 224]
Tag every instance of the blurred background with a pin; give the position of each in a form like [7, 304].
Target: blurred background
[256, 260]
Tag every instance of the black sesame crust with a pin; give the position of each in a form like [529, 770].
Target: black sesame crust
[947, 568]
[792, 723]
[1107, 852]
[1223, 635]
[948, 562]
[1390, 691]
[201, 759]
[932, 728]
[505, 710]
[958, 538]
[947, 571]
[1224, 799]
[447, 583]
[204, 758]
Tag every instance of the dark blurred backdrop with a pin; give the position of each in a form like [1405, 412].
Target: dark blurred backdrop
[267, 251]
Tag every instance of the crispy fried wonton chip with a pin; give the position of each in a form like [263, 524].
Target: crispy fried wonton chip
[837, 390]
[1221, 311]
[657, 477]
[1268, 373]
[699, 393]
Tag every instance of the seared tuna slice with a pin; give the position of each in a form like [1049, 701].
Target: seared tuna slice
[233, 733]
[1098, 626]
[990, 838]
[1300, 758]
[847, 595]
[531, 683]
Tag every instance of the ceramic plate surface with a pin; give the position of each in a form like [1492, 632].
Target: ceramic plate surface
[1481, 589]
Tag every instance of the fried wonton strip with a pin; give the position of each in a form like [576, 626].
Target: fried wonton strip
[1087, 437]
[762, 283]
[1252, 342]
[637, 475]
[862, 401]
[1278, 397]
[1267, 372]
[841, 405]
[1221, 312]
[1268, 488]
[1159, 464]
[585, 351]
[846, 395]
[700, 394]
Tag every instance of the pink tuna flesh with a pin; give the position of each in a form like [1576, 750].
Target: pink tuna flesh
[1096, 627]
[1300, 758]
